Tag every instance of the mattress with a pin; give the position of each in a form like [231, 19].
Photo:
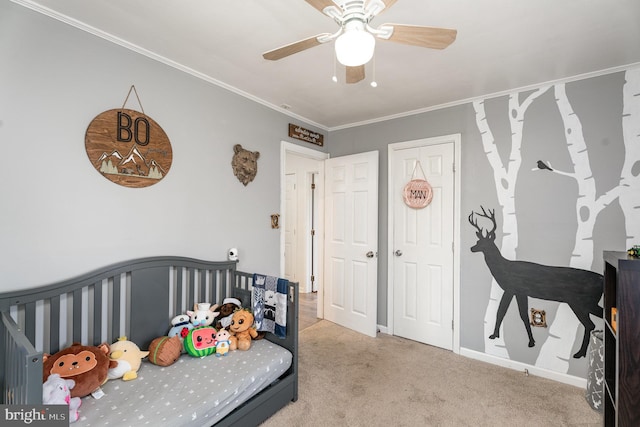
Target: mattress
[193, 391]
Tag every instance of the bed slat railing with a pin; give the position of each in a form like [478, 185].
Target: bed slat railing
[90, 309]
[54, 322]
[115, 306]
[97, 310]
[22, 385]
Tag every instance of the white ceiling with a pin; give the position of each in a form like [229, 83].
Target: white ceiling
[501, 45]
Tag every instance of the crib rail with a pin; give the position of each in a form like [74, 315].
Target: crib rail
[133, 298]
[105, 304]
[22, 366]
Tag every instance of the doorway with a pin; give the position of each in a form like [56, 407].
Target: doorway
[302, 226]
[346, 286]
[423, 254]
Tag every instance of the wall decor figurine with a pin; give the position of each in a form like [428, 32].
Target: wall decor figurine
[580, 289]
[128, 147]
[244, 164]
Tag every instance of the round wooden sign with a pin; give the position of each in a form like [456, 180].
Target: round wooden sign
[417, 193]
[128, 147]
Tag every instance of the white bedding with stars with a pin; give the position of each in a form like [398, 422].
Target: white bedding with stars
[191, 392]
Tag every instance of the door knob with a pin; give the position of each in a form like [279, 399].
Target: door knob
[398, 252]
[370, 254]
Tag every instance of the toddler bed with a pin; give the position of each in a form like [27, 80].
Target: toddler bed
[137, 299]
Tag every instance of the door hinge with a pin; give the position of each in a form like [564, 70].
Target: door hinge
[313, 186]
[313, 278]
[313, 232]
[452, 325]
[453, 167]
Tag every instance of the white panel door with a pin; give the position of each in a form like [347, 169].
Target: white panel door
[351, 241]
[423, 247]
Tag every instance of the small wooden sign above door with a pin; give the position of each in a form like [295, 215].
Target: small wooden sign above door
[303, 134]
[128, 147]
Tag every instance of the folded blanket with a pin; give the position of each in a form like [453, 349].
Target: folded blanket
[269, 302]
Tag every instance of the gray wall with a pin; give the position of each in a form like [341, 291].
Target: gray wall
[545, 201]
[60, 217]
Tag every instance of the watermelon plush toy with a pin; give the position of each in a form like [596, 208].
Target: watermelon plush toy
[200, 342]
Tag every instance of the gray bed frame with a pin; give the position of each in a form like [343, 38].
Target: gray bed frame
[135, 298]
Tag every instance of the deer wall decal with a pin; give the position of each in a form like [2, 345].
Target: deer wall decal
[580, 289]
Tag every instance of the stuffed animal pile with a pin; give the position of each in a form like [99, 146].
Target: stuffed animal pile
[79, 370]
[234, 328]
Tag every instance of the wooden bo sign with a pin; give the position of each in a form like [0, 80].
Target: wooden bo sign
[418, 193]
[128, 147]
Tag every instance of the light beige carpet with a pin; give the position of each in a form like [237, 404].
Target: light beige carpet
[348, 379]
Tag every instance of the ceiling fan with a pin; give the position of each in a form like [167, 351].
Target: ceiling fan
[355, 39]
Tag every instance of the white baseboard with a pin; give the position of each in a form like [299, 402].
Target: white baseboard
[518, 366]
[383, 329]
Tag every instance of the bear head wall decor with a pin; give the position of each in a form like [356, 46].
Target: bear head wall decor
[244, 164]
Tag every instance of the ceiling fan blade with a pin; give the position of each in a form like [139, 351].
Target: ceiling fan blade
[355, 74]
[388, 4]
[320, 4]
[290, 49]
[415, 35]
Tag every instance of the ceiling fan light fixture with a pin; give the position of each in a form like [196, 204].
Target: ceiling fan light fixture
[355, 47]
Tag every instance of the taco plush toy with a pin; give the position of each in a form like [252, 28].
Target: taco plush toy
[86, 365]
[165, 351]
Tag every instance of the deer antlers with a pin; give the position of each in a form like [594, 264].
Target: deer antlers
[491, 216]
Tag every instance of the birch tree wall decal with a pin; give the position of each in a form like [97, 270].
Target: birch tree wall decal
[630, 175]
[505, 177]
[556, 350]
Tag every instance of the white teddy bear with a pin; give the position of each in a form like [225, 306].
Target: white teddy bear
[57, 391]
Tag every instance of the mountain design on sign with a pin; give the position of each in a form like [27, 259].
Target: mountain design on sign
[134, 163]
[108, 162]
[155, 170]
